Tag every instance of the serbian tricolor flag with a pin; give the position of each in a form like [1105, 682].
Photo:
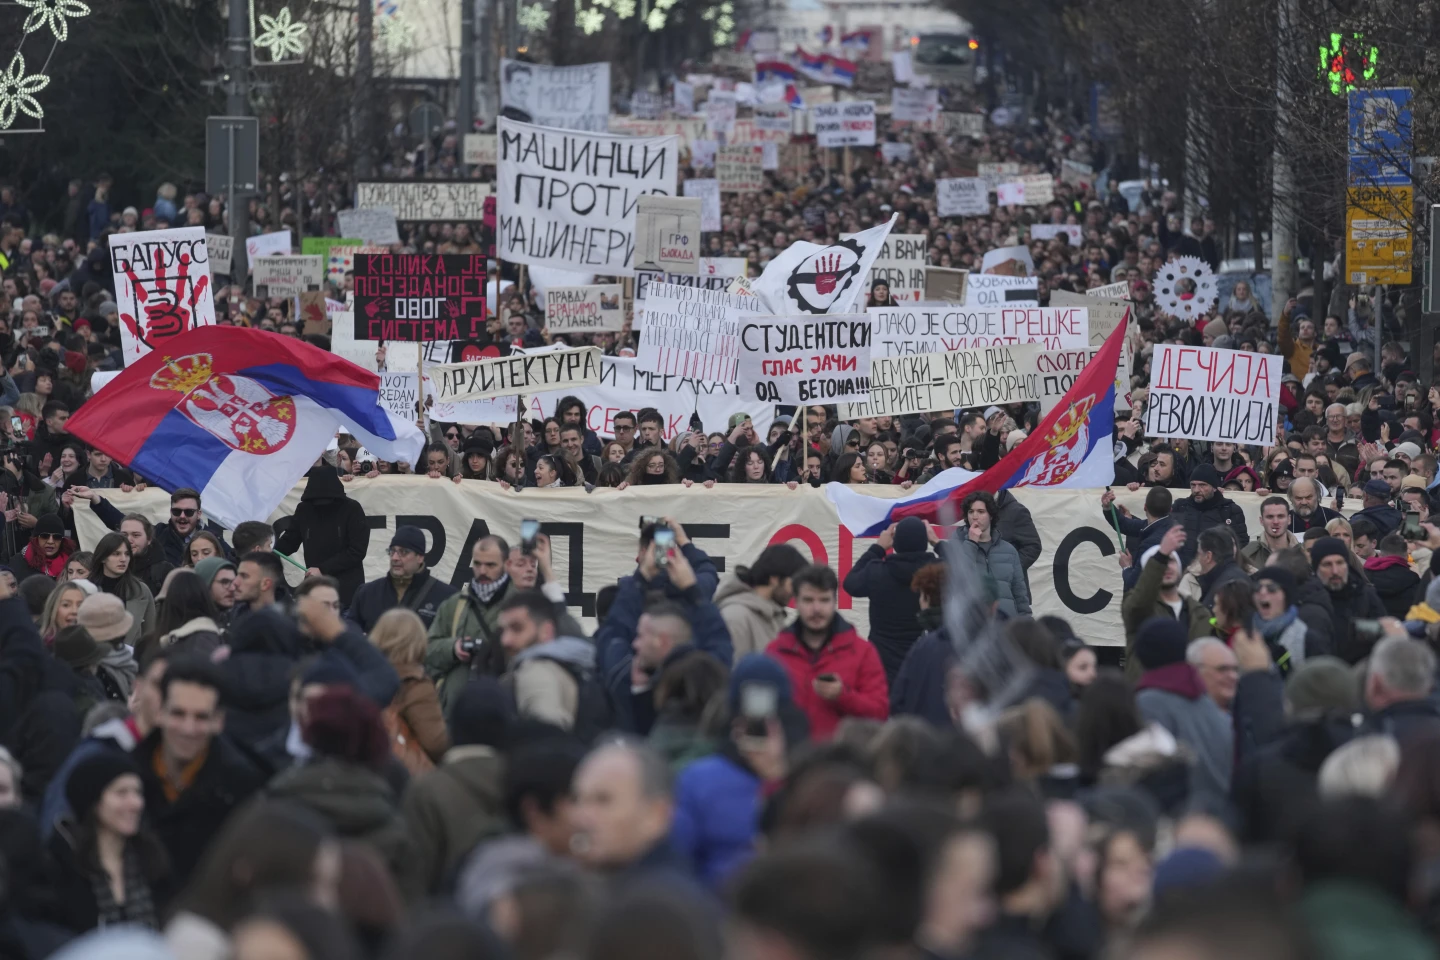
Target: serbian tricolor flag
[239, 415]
[809, 63]
[742, 43]
[1074, 446]
[792, 97]
[773, 70]
[838, 71]
[856, 40]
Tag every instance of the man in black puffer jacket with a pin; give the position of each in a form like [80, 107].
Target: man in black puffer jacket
[886, 581]
[1206, 507]
[332, 528]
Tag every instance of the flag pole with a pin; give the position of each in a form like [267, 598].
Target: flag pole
[291, 560]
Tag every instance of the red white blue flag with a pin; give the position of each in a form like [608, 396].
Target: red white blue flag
[239, 415]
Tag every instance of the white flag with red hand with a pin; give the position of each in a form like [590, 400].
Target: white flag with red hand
[822, 278]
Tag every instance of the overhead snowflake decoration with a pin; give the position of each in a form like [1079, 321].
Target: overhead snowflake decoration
[52, 14]
[589, 20]
[280, 35]
[1185, 288]
[395, 33]
[533, 17]
[17, 92]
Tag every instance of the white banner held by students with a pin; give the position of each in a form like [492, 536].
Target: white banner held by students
[1201, 393]
[926, 382]
[806, 359]
[162, 286]
[667, 233]
[708, 191]
[518, 374]
[937, 328]
[692, 332]
[849, 123]
[590, 309]
[286, 276]
[568, 98]
[993, 290]
[567, 199]
[962, 197]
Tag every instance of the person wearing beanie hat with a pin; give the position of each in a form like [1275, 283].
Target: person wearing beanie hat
[1351, 597]
[1157, 594]
[408, 584]
[1279, 620]
[1379, 500]
[454, 807]
[884, 577]
[47, 552]
[1276, 779]
[1212, 330]
[218, 575]
[1207, 507]
[103, 845]
[1171, 694]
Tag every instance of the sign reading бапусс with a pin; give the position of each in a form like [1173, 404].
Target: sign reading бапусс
[419, 298]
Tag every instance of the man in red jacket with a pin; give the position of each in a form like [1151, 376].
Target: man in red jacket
[834, 672]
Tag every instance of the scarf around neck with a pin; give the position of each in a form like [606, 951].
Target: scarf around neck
[485, 592]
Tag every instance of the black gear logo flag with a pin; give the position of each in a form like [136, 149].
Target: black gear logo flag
[821, 278]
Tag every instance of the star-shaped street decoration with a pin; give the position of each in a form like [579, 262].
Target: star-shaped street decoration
[17, 92]
[53, 14]
[281, 36]
[533, 17]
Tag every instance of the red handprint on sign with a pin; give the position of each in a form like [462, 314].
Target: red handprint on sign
[168, 311]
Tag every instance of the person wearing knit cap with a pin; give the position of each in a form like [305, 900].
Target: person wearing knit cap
[1171, 694]
[1313, 716]
[1351, 598]
[1206, 507]
[1211, 331]
[1278, 617]
[885, 579]
[103, 846]
[47, 552]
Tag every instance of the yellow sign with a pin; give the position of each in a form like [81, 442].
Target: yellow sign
[1377, 234]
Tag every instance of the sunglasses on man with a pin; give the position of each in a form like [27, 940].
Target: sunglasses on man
[183, 511]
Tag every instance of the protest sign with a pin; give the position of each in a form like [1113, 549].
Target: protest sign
[517, 374]
[341, 261]
[773, 119]
[275, 244]
[993, 289]
[936, 328]
[893, 152]
[962, 197]
[770, 156]
[1111, 291]
[709, 193]
[692, 332]
[683, 98]
[686, 130]
[478, 148]
[1010, 194]
[645, 104]
[806, 358]
[400, 395]
[626, 384]
[1077, 174]
[374, 226]
[702, 154]
[900, 265]
[1013, 261]
[667, 233]
[995, 174]
[567, 198]
[915, 104]
[569, 98]
[1201, 393]
[926, 382]
[849, 123]
[421, 201]
[315, 312]
[221, 248]
[715, 273]
[1105, 316]
[1039, 189]
[902, 66]
[1073, 233]
[963, 125]
[719, 113]
[739, 168]
[419, 297]
[286, 276]
[589, 309]
[162, 286]
[945, 285]
[320, 246]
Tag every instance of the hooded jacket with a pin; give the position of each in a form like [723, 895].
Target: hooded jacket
[844, 654]
[451, 809]
[886, 581]
[1174, 697]
[1396, 584]
[544, 679]
[1385, 517]
[753, 620]
[332, 529]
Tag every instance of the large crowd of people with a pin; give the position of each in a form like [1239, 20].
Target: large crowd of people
[724, 765]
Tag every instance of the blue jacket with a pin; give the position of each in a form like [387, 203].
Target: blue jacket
[636, 713]
[919, 687]
[613, 639]
[717, 810]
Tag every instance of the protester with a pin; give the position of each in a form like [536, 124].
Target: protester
[332, 530]
[883, 573]
[753, 599]
[408, 584]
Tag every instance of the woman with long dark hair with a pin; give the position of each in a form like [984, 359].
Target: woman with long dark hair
[850, 468]
[187, 619]
[110, 867]
[750, 466]
[111, 573]
[653, 466]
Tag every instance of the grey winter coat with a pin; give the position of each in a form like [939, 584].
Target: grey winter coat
[544, 688]
[1197, 722]
[1001, 561]
[753, 621]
